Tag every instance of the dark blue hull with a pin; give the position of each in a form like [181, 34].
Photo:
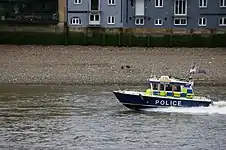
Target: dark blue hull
[138, 102]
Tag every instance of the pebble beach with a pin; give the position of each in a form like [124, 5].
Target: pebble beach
[106, 65]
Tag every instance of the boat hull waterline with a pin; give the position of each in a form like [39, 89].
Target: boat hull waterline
[138, 101]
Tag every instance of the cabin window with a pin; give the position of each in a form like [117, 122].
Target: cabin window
[161, 87]
[176, 88]
[169, 87]
[155, 86]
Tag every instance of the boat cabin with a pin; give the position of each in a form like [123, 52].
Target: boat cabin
[166, 86]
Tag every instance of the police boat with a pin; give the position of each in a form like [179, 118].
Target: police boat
[163, 92]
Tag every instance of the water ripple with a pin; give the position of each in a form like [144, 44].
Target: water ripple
[77, 118]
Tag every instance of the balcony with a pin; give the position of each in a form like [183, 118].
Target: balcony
[94, 19]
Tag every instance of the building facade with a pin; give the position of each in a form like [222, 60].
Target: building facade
[147, 13]
[27, 12]
[104, 13]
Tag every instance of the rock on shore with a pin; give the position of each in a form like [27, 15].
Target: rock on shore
[105, 65]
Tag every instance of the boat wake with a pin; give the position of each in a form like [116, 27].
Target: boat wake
[216, 108]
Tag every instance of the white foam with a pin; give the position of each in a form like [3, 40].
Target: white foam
[217, 108]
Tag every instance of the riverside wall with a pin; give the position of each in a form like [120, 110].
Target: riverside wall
[64, 35]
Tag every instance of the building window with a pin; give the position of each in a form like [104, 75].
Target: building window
[203, 3]
[77, 1]
[111, 19]
[202, 22]
[222, 3]
[180, 21]
[180, 7]
[158, 22]
[158, 3]
[111, 2]
[139, 21]
[222, 21]
[76, 21]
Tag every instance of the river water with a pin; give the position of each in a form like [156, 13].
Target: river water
[90, 117]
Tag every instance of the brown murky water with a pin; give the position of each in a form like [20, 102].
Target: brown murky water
[85, 117]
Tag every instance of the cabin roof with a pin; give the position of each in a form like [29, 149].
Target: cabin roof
[168, 80]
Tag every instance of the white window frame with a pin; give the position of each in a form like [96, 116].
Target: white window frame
[203, 3]
[158, 3]
[223, 24]
[140, 23]
[180, 19]
[76, 21]
[202, 21]
[222, 3]
[158, 22]
[112, 19]
[95, 21]
[76, 2]
[111, 2]
[184, 10]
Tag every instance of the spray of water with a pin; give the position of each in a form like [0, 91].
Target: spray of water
[216, 108]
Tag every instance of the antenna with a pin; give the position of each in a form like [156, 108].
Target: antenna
[152, 70]
[161, 70]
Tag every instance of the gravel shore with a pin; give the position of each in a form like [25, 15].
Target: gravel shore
[105, 65]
